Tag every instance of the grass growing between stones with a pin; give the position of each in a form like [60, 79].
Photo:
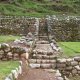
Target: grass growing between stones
[6, 67]
[8, 38]
[70, 49]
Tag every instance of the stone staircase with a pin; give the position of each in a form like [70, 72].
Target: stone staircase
[43, 31]
[41, 58]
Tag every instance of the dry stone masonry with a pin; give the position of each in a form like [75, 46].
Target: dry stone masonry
[62, 27]
[69, 67]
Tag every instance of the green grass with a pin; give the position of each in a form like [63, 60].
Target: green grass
[74, 78]
[8, 38]
[38, 9]
[70, 48]
[6, 67]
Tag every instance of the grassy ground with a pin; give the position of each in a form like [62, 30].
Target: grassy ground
[6, 67]
[40, 9]
[70, 48]
[7, 38]
[74, 78]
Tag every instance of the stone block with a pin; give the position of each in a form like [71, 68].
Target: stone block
[77, 59]
[69, 68]
[20, 70]
[77, 67]
[74, 71]
[46, 66]
[61, 60]
[59, 78]
[34, 65]
[61, 65]
[15, 74]
[58, 74]
[74, 63]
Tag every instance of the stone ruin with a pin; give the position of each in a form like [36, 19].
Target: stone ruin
[64, 28]
[8, 52]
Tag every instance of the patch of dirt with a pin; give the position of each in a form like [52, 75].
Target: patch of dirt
[35, 74]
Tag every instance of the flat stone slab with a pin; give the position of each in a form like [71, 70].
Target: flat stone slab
[43, 48]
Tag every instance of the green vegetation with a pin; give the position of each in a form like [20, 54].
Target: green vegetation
[40, 8]
[6, 67]
[8, 38]
[70, 48]
[75, 78]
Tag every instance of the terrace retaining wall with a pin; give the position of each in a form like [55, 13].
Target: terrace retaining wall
[67, 29]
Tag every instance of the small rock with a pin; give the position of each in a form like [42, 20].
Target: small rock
[61, 60]
[77, 67]
[59, 65]
[20, 70]
[74, 63]
[69, 68]
[74, 71]
[77, 59]
[58, 74]
[60, 78]
[15, 74]
[7, 78]
[34, 65]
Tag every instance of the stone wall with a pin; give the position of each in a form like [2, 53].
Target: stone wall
[62, 28]
[69, 67]
[16, 25]
[65, 28]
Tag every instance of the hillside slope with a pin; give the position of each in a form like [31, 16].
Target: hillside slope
[40, 8]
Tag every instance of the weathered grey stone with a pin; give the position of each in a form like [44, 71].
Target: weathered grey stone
[32, 60]
[32, 65]
[58, 74]
[74, 63]
[69, 60]
[45, 66]
[60, 78]
[66, 78]
[77, 67]
[67, 73]
[61, 60]
[79, 72]
[61, 68]
[15, 74]
[74, 71]
[7, 78]
[69, 68]
[61, 65]
[11, 76]
[20, 70]
[77, 59]
[52, 61]
[39, 61]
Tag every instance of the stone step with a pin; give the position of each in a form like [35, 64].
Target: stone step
[44, 53]
[43, 57]
[42, 66]
[50, 70]
[42, 61]
[42, 42]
